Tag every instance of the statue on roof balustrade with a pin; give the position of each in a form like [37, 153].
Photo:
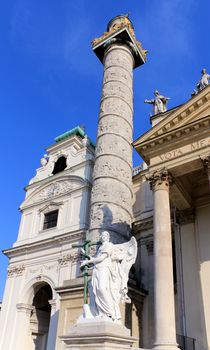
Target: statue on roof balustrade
[159, 103]
[203, 82]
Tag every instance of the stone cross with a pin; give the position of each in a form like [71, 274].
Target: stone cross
[85, 253]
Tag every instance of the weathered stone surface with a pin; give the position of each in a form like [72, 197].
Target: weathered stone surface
[114, 145]
[111, 199]
[118, 169]
[110, 124]
[115, 106]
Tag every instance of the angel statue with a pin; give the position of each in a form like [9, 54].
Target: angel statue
[159, 103]
[111, 266]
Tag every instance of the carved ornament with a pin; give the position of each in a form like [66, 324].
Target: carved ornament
[55, 189]
[124, 23]
[160, 180]
[15, 270]
[206, 162]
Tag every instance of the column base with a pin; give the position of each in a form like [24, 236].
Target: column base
[168, 346]
[96, 334]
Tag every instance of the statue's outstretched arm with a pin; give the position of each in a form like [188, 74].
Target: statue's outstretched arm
[149, 101]
[95, 260]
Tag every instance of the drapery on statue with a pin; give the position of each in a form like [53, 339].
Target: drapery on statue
[111, 266]
[203, 82]
[159, 103]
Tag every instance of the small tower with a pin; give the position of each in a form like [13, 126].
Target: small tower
[55, 215]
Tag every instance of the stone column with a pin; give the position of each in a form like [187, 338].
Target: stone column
[164, 308]
[111, 198]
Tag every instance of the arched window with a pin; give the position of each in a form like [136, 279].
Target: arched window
[60, 165]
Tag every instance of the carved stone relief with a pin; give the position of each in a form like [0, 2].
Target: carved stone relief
[116, 88]
[118, 169]
[118, 73]
[54, 189]
[116, 106]
[160, 179]
[121, 59]
[112, 145]
[110, 124]
[112, 191]
[111, 200]
[16, 270]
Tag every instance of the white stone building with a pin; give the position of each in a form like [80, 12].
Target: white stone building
[55, 214]
[169, 286]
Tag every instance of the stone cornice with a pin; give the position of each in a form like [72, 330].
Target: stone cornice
[83, 183]
[44, 244]
[66, 173]
[179, 134]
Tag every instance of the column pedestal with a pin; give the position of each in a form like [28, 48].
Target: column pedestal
[96, 334]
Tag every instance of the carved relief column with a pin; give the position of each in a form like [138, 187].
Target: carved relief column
[111, 198]
[164, 309]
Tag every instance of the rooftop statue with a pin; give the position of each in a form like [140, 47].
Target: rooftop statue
[159, 103]
[111, 266]
[203, 82]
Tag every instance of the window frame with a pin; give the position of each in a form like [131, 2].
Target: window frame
[48, 220]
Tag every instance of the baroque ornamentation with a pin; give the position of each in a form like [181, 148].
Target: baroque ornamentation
[64, 259]
[206, 161]
[54, 189]
[16, 270]
[111, 266]
[159, 103]
[124, 22]
[203, 82]
[160, 179]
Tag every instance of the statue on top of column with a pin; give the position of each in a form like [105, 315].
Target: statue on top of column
[159, 103]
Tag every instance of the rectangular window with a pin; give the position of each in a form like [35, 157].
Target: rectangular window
[50, 219]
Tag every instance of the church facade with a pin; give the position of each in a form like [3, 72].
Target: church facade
[165, 203]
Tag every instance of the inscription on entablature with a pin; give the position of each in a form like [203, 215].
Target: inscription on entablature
[183, 150]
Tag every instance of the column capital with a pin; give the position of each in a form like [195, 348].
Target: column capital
[160, 180]
[25, 308]
[120, 30]
[53, 303]
[206, 161]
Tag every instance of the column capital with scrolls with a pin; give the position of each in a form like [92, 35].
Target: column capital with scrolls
[160, 180]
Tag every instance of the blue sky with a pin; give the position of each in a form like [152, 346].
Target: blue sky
[50, 81]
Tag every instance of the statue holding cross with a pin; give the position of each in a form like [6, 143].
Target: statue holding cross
[111, 265]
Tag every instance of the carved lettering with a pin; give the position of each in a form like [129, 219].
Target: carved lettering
[188, 148]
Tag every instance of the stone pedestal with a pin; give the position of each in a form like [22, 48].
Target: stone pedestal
[98, 334]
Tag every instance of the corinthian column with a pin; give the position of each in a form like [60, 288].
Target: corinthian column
[111, 198]
[164, 310]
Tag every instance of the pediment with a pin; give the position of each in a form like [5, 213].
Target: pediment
[54, 189]
[195, 110]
